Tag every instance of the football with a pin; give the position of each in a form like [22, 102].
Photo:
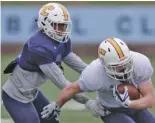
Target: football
[132, 90]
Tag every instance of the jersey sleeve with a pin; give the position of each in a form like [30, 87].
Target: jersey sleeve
[89, 80]
[144, 71]
[53, 72]
[73, 61]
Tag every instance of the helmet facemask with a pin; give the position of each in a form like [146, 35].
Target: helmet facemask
[54, 20]
[58, 31]
[122, 71]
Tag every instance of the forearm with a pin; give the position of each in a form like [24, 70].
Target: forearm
[66, 94]
[148, 98]
[142, 103]
[73, 61]
[54, 73]
[81, 98]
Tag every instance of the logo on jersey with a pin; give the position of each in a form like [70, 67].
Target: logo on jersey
[55, 47]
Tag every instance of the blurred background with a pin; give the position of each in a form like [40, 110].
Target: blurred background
[133, 22]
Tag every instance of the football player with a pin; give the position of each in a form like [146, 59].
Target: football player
[39, 60]
[116, 64]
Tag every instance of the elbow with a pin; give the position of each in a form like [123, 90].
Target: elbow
[70, 87]
[73, 88]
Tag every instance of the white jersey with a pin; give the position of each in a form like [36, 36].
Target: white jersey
[94, 78]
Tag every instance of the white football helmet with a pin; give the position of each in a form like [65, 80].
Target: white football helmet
[116, 58]
[54, 20]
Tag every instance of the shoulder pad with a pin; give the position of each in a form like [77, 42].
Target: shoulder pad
[40, 43]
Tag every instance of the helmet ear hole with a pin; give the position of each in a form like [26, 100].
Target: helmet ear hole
[43, 23]
[121, 43]
[109, 49]
[45, 18]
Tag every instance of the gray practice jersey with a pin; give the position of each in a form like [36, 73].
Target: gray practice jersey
[94, 78]
[22, 85]
[41, 59]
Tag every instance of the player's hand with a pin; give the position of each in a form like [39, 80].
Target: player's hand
[96, 109]
[121, 98]
[52, 110]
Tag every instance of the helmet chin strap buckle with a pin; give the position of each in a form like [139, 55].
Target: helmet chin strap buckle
[125, 76]
[125, 82]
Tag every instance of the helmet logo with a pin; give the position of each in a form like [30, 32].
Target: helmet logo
[64, 11]
[45, 8]
[101, 52]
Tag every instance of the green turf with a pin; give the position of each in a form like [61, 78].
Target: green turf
[52, 92]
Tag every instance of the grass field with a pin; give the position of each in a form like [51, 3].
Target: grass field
[67, 116]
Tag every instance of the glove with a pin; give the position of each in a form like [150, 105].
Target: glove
[96, 109]
[52, 110]
[123, 99]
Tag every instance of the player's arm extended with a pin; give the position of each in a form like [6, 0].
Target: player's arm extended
[86, 83]
[53, 72]
[148, 98]
[67, 93]
[73, 61]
